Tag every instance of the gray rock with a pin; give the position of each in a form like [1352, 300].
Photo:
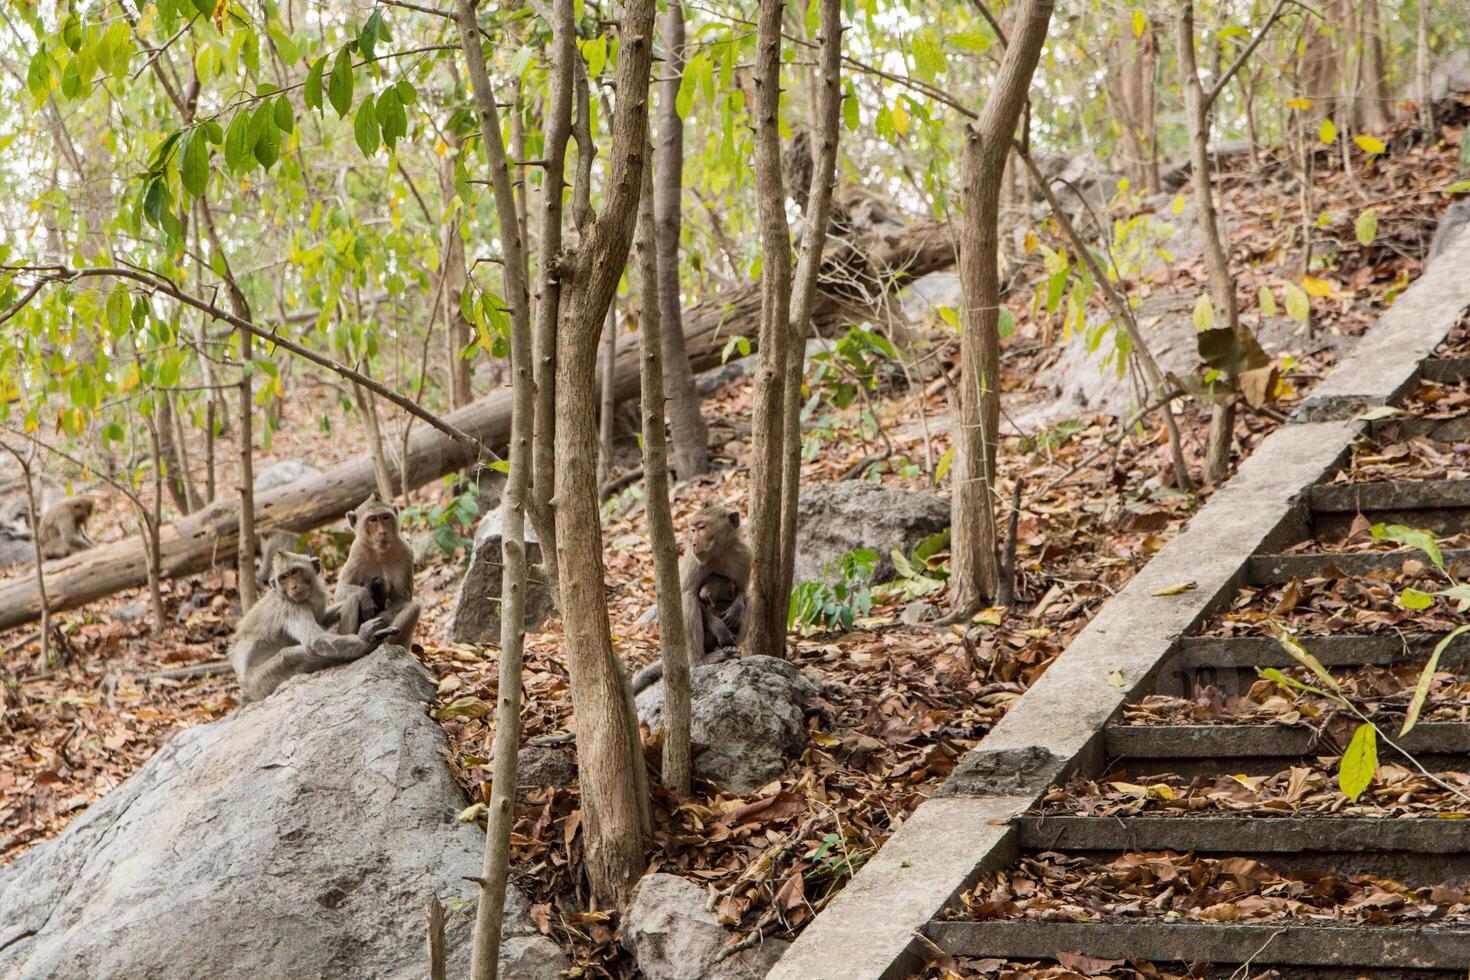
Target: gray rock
[130, 612]
[674, 937]
[1451, 226]
[745, 719]
[16, 550]
[542, 766]
[476, 616]
[918, 612]
[284, 473]
[835, 518]
[299, 837]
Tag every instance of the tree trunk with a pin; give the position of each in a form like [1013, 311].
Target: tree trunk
[1376, 115]
[457, 332]
[152, 525]
[691, 435]
[827, 111]
[1130, 87]
[615, 806]
[676, 765]
[1217, 261]
[245, 565]
[169, 454]
[1422, 92]
[369, 412]
[211, 535]
[181, 442]
[765, 627]
[974, 574]
[609, 403]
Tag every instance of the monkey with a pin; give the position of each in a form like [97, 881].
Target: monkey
[63, 528]
[272, 543]
[377, 579]
[282, 634]
[714, 575]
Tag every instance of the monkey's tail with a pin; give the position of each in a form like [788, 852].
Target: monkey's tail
[647, 677]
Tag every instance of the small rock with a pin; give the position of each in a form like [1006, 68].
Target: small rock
[746, 719]
[542, 766]
[674, 937]
[130, 612]
[918, 612]
[835, 518]
[476, 616]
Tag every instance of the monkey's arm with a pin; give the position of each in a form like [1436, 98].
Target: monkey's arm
[332, 615]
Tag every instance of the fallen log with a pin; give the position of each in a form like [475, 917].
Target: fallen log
[209, 537]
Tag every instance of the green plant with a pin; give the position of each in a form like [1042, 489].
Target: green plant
[924, 573]
[446, 520]
[836, 601]
[829, 865]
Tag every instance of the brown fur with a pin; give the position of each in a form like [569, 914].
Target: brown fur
[282, 634]
[714, 575]
[63, 529]
[377, 579]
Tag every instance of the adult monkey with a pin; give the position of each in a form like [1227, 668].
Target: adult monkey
[714, 575]
[377, 579]
[63, 528]
[282, 634]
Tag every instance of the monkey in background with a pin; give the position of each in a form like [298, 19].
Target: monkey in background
[273, 542]
[377, 579]
[282, 634]
[714, 575]
[63, 528]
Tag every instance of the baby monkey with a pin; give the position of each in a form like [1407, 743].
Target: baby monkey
[714, 575]
[377, 579]
[282, 634]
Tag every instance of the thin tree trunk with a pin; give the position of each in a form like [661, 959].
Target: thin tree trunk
[181, 442]
[827, 111]
[491, 908]
[676, 766]
[152, 525]
[169, 454]
[458, 334]
[436, 939]
[1376, 115]
[1424, 96]
[245, 564]
[369, 412]
[33, 509]
[691, 435]
[765, 629]
[1217, 262]
[609, 403]
[974, 574]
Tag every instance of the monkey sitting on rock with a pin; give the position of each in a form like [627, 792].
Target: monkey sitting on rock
[282, 634]
[714, 575]
[377, 579]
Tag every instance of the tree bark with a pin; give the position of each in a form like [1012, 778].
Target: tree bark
[827, 111]
[615, 806]
[765, 628]
[676, 765]
[1422, 93]
[974, 573]
[691, 435]
[211, 535]
[454, 277]
[170, 456]
[608, 403]
[245, 565]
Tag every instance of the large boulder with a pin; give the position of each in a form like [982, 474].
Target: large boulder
[835, 518]
[673, 936]
[284, 473]
[745, 719]
[476, 616]
[299, 837]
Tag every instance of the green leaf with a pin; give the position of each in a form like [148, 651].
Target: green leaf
[944, 463]
[155, 199]
[365, 128]
[238, 145]
[1359, 762]
[368, 39]
[1426, 676]
[339, 85]
[1299, 653]
[1423, 540]
[1006, 323]
[194, 163]
[1414, 599]
[407, 95]
[283, 114]
[1298, 306]
[38, 75]
[119, 310]
[1268, 302]
[1458, 187]
[1367, 226]
[929, 59]
[268, 141]
[312, 95]
[595, 51]
[851, 118]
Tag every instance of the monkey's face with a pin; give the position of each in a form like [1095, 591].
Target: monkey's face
[378, 527]
[82, 508]
[295, 584]
[710, 528]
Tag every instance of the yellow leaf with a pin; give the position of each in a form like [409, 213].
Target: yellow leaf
[1115, 677]
[1316, 287]
[1370, 144]
[1204, 312]
[1327, 133]
[1298, 306]
[988, 617]
[823, 739]
[1299, 103]
[900, 118]
[470, 813]
[1029, 244]
[1178, 206]
[1140, 22]
[1178, 589]
[441, 147]
[1268, 302]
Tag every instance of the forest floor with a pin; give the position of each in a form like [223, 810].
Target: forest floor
[900, 704]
